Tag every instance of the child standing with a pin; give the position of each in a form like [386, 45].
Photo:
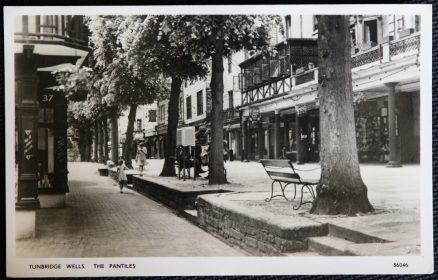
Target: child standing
[121, 175]
[141, 159]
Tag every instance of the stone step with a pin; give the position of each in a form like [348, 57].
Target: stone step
[352, 235]
[191, 215]
[329, 246]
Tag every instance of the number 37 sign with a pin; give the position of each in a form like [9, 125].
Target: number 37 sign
[46, 98]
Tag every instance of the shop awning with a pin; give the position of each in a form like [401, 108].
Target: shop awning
[233, 126]
[63, 66]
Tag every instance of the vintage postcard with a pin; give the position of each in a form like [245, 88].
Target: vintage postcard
[218, 140]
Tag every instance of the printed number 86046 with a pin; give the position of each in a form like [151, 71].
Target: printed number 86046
[400, 264]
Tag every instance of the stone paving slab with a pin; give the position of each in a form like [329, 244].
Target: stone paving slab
[99, 221]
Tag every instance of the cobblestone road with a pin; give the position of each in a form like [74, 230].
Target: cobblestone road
[101, 222]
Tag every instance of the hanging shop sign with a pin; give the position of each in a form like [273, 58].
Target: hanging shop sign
[254, 116]
[301, 108]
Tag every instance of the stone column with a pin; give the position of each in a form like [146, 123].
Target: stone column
[61, 158]
[394, 151]
[298, 143]
[245, 137]
[286, 132]
[277, 148]
[26, 109]
[261, 141]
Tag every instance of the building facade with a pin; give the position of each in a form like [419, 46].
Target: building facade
[144, 133]
[43, 44]
[279, 110]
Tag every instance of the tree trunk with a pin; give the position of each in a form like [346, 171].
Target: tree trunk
[82, 143]
[105, 138]
[127, 148]
[114, 137]
[172, 124]
[96, 141]
[100, 138]
[216, 172]
[341, 189]
[88, 141]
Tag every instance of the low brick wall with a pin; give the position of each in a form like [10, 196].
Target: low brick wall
[129, 174]
[252, 233]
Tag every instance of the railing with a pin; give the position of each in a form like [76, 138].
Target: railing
[252, 92]
[52, 36]
[404, 45]
[270, 89]
[305, 77]
[369, 56]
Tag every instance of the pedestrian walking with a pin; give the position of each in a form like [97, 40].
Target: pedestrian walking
[141, 159]
[121, 175]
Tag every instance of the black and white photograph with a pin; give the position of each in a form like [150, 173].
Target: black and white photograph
[218, 140]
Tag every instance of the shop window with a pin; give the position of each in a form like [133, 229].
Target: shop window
[353, 39]
[139, 125]
[372, 131]
[162, 112]
[417, 23]
[400, 23]
[181, 108]
[152, 115]
[230, 99]
[189, 107]
[200, 102]
[288, 26]
[45, 153]
[371, 32]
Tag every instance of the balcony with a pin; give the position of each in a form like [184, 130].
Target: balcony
[281, 85]
[388, 51]
[231, 114]
[69, 31]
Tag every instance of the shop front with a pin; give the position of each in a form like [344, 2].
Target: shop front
[372, 129]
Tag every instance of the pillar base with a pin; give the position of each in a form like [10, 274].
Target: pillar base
[392, 164]
[52, 200]
[299, 162]
[25, 223]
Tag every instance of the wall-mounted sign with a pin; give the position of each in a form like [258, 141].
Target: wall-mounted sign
[28, 144]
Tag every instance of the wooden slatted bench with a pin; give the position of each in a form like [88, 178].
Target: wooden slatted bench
[283, 173]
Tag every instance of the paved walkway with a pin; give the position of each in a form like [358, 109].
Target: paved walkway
[388, 188]
[101, 222]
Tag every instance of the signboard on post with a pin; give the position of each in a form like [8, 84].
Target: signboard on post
[185, 136]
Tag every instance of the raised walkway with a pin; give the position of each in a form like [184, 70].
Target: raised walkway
[239, 214]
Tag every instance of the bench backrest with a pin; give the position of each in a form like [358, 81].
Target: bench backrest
[279, 168]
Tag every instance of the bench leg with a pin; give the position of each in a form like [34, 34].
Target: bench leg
[282, 192]
[312, 193]
[295, 191]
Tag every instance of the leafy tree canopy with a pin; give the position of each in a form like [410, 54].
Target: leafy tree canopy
[145, 43]
[122, 82]
[197, 35]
